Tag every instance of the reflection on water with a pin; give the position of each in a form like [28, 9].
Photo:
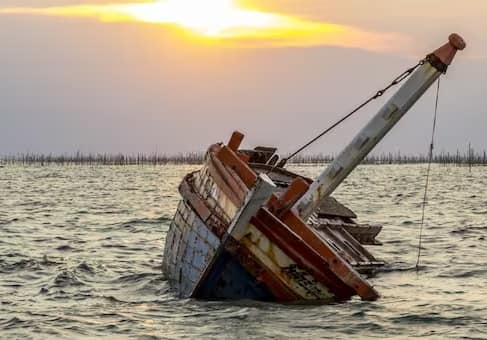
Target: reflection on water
[80, 256]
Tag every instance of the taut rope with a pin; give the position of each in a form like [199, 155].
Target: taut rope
[430, 160]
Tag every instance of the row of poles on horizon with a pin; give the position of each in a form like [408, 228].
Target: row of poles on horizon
[468, 158]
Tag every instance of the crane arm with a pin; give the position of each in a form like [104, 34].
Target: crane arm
[387, 117]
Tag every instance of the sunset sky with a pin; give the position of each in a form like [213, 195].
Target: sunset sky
[177, 75]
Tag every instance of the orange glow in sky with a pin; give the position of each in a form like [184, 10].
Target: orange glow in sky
[225, 20]
[214, 18]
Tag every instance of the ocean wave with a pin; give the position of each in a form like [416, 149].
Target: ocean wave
[430, 318]
[142, 221]
[133, 278]
[24, 264]
[80, 272]
[67, 278]
[15, 323]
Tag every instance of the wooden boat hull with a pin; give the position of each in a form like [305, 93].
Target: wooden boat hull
[222, 245]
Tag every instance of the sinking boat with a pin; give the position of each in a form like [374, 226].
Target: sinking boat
[246, 228]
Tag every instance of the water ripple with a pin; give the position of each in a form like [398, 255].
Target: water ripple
[81, 251]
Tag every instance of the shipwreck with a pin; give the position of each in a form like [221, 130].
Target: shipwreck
[246, 228]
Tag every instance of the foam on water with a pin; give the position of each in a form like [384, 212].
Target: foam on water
[81, 252]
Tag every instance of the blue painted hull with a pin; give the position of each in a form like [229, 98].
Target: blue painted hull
[228, 279]
[191, 248]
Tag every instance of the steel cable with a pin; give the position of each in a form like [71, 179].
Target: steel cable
[430, 160]
[379, 93]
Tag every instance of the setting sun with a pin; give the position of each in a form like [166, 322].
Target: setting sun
[215, 18]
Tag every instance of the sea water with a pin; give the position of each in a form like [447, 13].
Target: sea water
[81, 251]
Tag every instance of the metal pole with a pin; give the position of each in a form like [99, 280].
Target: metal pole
[436, 64]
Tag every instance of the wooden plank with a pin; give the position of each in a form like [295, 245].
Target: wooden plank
[225, 182]
[301, 253]
[254, 267]
[244, 157]
[231, 159]
[299, 280]
[194, 199]
[235, 141]
[278, 205]
[337, 265]
[256, 198]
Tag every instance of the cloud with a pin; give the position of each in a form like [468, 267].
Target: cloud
[228, 22]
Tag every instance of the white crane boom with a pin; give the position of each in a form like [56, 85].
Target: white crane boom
[435, 64]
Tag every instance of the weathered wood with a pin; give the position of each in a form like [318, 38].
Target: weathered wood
[302, 253]
[231, 159]
[235, 141]
[285, 201]
[284, 256]
[331, 207]
[256, 198]
[337, 265]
